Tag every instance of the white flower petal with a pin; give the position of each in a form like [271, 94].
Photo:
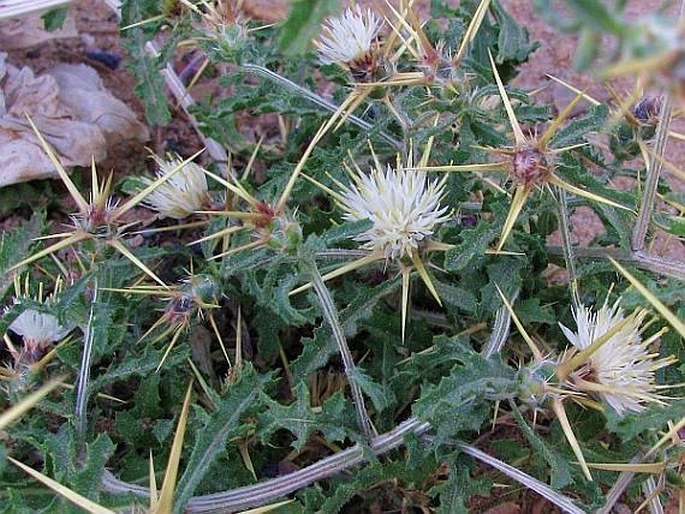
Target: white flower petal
[182, 194]
[38, 328]
[348, 37]
[622, 367]
[403, 206]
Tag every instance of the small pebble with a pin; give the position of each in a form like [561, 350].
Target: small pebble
[109, 59]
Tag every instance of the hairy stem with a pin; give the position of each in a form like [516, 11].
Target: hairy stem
[313, 97]
[534, 484]
[330, 313]
[83, 380]
[639, 259]
[565, 232]
[270, 490]
[652, 179]
[500, 331]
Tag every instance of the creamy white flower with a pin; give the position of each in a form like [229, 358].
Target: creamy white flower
[184, 193]
[403, 206]
[622, 370]
[38, 329]
[349, 37]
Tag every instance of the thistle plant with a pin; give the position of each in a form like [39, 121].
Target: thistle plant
[351, 42]
[356, 278]
[183, 194]
[620, 369]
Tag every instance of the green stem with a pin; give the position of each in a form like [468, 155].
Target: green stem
[313, 97]
[265, 492]
[642, 260]
[83, 379]
[565, 232]
[330, 314]
[652, 179]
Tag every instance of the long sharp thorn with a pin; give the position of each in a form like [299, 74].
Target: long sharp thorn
[518, 133]
[15, 412]
[472, 29]
[421, 269]
[557, 181]
[482, 167]
[558, 409]
[661, 308]
[575, 90]
[166, 495]
[170, 347]
[63, 491]
[300, 166]
[220, 233]
[138, 263]
[75, 238]
[537, 355]
[517, 204]
[83, 206]
[554, 126]
[153, 484]
[406, 274]
[372, 257]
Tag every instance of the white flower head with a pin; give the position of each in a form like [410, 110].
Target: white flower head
[622, 369]
[403, 206]
[182, 194]
[349, 38]
[38, 330]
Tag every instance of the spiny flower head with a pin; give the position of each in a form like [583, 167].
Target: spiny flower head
[38, 329]
[349, 39]
[182, 194]
[528, 165]
[622, 369]
[403, 206]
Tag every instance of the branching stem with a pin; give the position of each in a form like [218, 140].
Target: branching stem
[265, 492]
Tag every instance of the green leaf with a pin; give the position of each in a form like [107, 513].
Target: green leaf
[576, 131]
[473, 244]
[459, 487]
[335, 419]
[530, 311]
[54, 18]
[303, 24]
[298, 417]
[513, 41]
[226, 421]
[150, 86]
[14, 246]
[381, 395]
[672, 224]
[345, 231]
[458, 401]
[654, 418]
[594, 14]
[140, 365]
[561, 471]
[318, 349]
